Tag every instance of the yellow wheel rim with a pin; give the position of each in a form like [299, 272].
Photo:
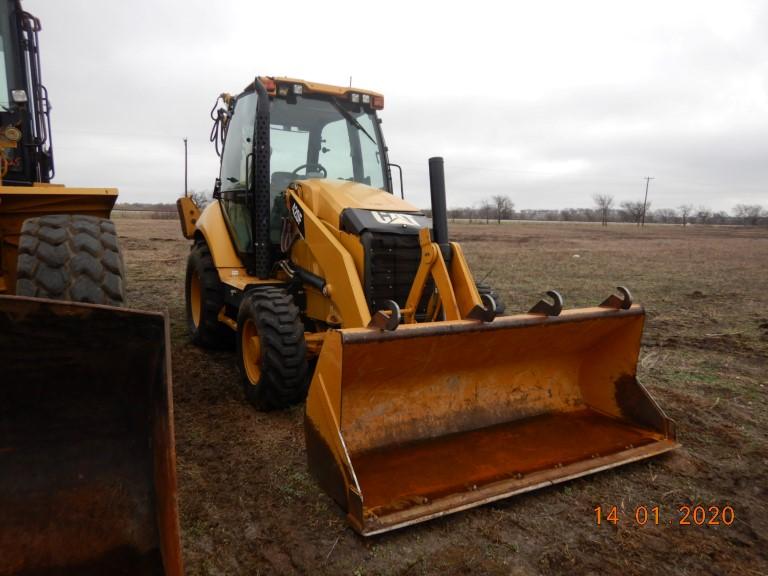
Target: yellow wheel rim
[195, 299]
[251, 347]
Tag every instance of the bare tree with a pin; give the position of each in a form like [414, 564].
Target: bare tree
[634, 210]
[502, 207]
[665, 215]
[603, 203]
[685, 211]
[703, 215]
[749, 214]
[486, 209]
[200, 198]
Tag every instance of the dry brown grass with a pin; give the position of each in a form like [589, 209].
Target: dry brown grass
[249, 507]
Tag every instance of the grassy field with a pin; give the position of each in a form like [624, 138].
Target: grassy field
[248, 505]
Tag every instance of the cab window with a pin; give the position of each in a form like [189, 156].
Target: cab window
[234, 162]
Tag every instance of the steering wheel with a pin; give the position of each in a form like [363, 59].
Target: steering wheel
[308, 166]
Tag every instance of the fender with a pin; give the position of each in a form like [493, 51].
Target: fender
[212, 228]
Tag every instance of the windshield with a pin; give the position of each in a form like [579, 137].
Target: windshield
[316, 138]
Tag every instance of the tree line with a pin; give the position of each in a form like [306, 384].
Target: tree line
[158, 210]
[605, 210]
[500, 207]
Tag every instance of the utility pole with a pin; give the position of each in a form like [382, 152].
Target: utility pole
[645, 202]
[185, 168]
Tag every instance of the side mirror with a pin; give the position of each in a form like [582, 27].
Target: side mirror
[400, 170]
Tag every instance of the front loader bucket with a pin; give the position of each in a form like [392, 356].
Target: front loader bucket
[430, 419]
[87, 457]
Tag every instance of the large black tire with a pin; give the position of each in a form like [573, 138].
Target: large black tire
[280, 376]
[486, 289]
[70, 257]
[204, 297]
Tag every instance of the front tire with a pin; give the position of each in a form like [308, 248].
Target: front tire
[272, 353]
[70, 257]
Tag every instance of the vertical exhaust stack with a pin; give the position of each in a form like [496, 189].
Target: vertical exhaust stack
[437, 193]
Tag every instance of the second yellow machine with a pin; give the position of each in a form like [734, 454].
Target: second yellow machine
[421, 399]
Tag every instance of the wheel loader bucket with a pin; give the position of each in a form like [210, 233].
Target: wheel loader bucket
[430, 419]
[87, 457]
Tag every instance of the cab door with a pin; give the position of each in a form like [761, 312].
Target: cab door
[235, 164]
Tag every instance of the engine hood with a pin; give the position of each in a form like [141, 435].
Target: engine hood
[329, 198]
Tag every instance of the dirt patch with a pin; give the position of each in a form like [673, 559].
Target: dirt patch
[763, 327]
[248, 505]
[723, 342]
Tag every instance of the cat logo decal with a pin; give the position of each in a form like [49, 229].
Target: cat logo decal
[395, 218]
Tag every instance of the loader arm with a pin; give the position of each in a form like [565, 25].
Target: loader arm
[342, 284]
[455, 286]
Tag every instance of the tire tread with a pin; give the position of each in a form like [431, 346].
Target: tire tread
[284, 370]
[70, 257]
[210, 333]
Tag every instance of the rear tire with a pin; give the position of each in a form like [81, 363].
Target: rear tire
[487, 289]
[204, 299]
[70, 257]
[271, 351]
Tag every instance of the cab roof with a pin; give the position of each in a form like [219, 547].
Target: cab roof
[274, 83]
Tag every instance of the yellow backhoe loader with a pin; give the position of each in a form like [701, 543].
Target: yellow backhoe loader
[421, 400]
[87, 457]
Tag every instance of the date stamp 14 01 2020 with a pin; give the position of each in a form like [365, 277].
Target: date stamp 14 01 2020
[684, 515]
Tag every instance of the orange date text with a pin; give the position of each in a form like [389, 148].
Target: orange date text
[684, 515]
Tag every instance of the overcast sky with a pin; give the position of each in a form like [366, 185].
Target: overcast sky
[549, 102]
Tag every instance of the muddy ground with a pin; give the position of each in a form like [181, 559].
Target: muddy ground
[248, 505]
